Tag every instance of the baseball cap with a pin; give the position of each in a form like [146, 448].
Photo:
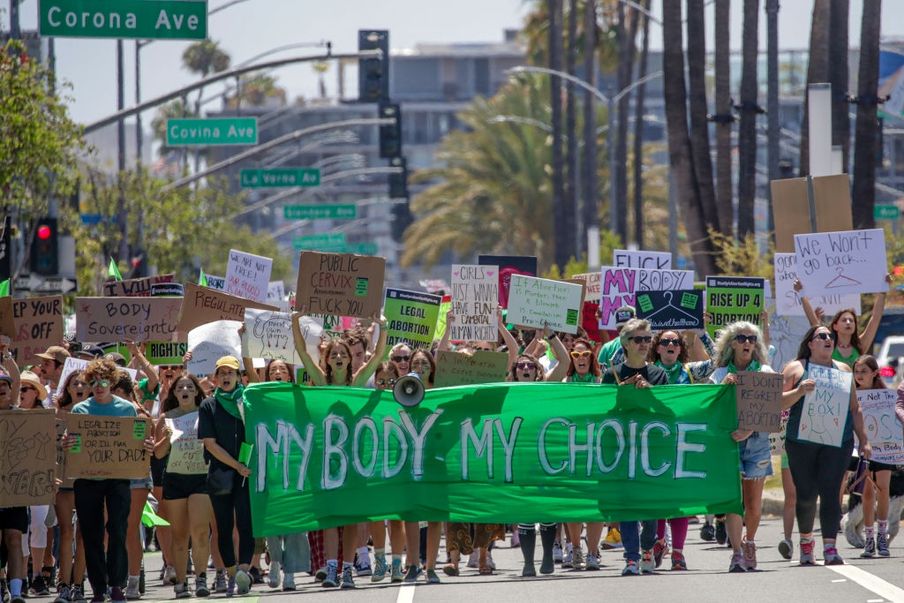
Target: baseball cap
[55, 352]
[116, 357]
[623, 315]
[33, 380]
[229, 362]
[90, 352]
[7, 378]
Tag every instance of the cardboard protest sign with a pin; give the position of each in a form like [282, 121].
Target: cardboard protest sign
[186, 455]
[883, 430]
[77, 364]
[456, 368]
[107, 447]
[125, 319]
[210, 342]
[791, 209]
[268, 335]
[311, 330]
[540, 302]
[651, 260]
[202, 305]
[136, 287]
[410, 317]
[619, 285]
[475, 298]
[759, 399]
[28, 457]
[824, 414]
[733, 298]
[509, 265]
[676, 310]
[589, 320]
[32, 324]
[164, 353]
[788, 301]
[340, 284]
[248, 275]
[852, 261]
[785, 335]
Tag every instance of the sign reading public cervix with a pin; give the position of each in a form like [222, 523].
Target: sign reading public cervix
[138, 19]
[280, 177]
[216, 131]
[320, 212]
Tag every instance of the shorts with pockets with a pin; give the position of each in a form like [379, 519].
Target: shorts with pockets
[177, 486]
[756, 456]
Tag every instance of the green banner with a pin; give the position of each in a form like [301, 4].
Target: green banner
[330, 456]
[410, 317]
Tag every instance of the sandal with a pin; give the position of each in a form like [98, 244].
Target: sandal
[450, 569]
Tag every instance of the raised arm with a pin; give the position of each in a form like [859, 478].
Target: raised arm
[318, 377]
[872, 327]
[805, 302]
[764, 327]
[561, 356]
[444, 342]
[248, 363]
[146, 367]
[511, 344]
[9, 364]
[365, 372]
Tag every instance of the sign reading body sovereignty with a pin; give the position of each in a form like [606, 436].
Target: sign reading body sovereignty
[603, 454]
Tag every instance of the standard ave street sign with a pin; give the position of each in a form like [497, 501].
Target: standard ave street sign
[218, 131]
[320, 212]
[138, 19]
[45, 284]
[280, 177]
[886, 212]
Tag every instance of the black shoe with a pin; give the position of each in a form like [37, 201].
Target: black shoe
[256, 576]
[707, 532]
[721, 535]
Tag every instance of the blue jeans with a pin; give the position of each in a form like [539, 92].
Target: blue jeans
[633, 540]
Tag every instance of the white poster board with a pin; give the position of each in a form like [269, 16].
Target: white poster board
[276, 295]
[825, 409]
[208, 343]
[787, 300]
[268, 335]
[851, 261]
[883, 430]
[186, 455]
[651, 260]
[785, 335]
[77, 364]
[248, 275]
[539, 302]
[475, 299]
[619, 285]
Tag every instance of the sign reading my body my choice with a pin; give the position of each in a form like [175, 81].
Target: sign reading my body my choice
[208, 132]
[138, 19]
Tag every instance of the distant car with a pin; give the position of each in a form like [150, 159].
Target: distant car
[889, 358]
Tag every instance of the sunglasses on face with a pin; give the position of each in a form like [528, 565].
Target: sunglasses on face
[639, 339]
[401, 358]
[525, 366]
[667, 342]
[100, 383]
[745, 338]
[386, 382]
[824, 336]
[27, 388]
[581, 354]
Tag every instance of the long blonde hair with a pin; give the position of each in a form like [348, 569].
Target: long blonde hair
[724, 351]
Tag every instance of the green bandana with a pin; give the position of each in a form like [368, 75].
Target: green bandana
[753, 367]
[673, 372]
[588, 378]
[230, 400]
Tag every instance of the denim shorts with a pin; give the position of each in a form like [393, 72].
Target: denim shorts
[756, 456]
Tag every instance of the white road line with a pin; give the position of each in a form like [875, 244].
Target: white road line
[884, 589]
[406, 593]
[839, 580]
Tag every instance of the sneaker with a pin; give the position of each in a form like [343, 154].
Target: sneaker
[593, 562]
[116, 595]
[869, 549]
[348, 579]
[77, 594]
[736, 565]
[490, 563]
[472, 559]
[882, 544]
[577, 559]
[659, 550]
[132, 591]
[806, 553]
[831, 557]
[201, 589]
[568, 557]
[411, 574]
[647, 565]
[432, 577]
[182, 591]
[707, 532]
[721, 534]
[362, 563]
[273, 575]
[169, 575]
[395, 573]
[39, 587]
[631, 569]
[786, 549]
[379, 571]
[612, 539]
[516, 540]
[230, 586]
[63, 594]
[678, 562]
[219, 582]
[288, 582]
[749, 550]
[256, 576]
[320, 575]
[17, 599]
[331, 579]
[243, 582]
[556, 552]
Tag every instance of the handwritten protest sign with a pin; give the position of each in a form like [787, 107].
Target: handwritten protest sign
[202, 305]
[136, 287]
[619, 285]
[163, 353]
[589, 320]
[410, 317]
[651, 260]
[456, 368]
[186, 455]
[851, 261]
[759, 399]
[276, 295]
[788, 301]
[216, 282]
[824, 414]
[733, 298]
[32, 324]
[248, 275]
[340, 284]
[268, 335]
[77, 364]
[28, 457]
[124, 319]
[883, 430]
[540, 302]
[475, 297]
[210, 342]
[107, 447]
[671, 309]
[508, 266]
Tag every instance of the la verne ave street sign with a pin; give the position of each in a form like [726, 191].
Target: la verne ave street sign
[139, 19]
[219, 131]
[280, 177]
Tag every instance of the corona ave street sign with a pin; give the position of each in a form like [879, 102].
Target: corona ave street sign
[138, 19]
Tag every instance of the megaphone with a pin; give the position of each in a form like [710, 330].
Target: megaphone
[409, 391]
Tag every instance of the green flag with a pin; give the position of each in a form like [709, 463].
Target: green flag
[150, 518]
[202, 279]
[4, 288]
[113, 270]
[496, 453]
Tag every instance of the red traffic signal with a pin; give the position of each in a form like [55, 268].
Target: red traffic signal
[44, 232]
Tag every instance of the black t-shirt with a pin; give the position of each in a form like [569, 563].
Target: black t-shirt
[651, 373]
[215, 422]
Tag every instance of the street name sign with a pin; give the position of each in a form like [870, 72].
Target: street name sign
[217, 131]
[886, 212]
[287, 177]
[137, 19]
[320, 212]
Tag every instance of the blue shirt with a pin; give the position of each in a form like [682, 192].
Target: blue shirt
[115, 408]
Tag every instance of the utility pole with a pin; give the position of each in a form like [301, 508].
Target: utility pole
[562, 245]
[121, 217]
[589, 210]
[773, 125]
[15, 31]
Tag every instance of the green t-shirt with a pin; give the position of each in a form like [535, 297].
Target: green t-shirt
[608, 351]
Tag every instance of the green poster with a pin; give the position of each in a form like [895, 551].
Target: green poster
[733, 298]
[410, 317]
[162, 353]
[444, 308]
[329, 456]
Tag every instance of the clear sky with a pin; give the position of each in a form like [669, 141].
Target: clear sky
[256, 26]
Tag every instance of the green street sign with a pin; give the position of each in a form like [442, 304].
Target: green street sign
[219, 131]
[280, 177]
[367, 248]
[886, 212]
[328, 241]
[138, 19]
[320, 212]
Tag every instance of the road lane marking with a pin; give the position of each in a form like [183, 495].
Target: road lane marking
[406, 593]
[875, 584]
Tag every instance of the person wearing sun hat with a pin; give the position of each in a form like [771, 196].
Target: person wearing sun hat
[32, 393]
[51, 367]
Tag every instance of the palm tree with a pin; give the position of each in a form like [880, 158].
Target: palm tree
[817, 71]
[747, 127]
[838, 77]
[723, 116]
[866, 146]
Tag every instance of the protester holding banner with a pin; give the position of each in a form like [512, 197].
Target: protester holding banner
[818, 468]
[612, 352]
[13, 520]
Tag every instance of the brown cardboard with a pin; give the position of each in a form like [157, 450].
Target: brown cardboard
[33, 324]
[791, 207]
[340, 284]
[759, 399]
[107, 447]
[202, 305]
[28, 457]
[456, 368]
[833, 203]
[136, 287]
[126, 318]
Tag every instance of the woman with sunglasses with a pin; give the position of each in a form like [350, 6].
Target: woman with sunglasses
[400, 357]
[818, 469]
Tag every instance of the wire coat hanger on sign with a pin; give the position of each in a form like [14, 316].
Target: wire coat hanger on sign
[838, 281]
[670, 296]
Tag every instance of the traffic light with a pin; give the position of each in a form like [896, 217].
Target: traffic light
[391, 134]
[401, 220]
[45, 250]
[398, 183]
[373, 72]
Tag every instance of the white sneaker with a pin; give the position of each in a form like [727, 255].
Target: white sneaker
[593, 562]
[273, 575]
[568, 556]
[472, 559]
[362, 564]
[242, 582]
[490, 563]
[557, 552]
[288, 583]
[169, 575]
